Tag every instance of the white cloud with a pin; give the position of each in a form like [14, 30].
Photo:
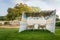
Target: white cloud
[16, 1]
[38, 3]
[55, 4]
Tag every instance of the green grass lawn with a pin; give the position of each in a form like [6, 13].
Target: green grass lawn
[13, 34]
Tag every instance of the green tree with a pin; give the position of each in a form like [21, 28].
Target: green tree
[2, 18]
[17, 11]
[36, 9]
[57, 18]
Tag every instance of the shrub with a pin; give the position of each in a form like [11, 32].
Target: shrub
[6, 23]
[0, 24]
[57, 23]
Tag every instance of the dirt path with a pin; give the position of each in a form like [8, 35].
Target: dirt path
[9, 26]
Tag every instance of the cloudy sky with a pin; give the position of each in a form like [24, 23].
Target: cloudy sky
[43, 4]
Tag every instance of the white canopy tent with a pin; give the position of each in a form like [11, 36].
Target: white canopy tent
[38, 21]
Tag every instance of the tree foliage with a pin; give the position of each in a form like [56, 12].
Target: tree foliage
[17, 11]
[2, 18]
[57, 18]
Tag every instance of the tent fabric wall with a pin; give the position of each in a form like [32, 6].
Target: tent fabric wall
[22, 26]
[49, 25]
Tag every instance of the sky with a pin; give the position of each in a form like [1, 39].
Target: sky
[43, 4]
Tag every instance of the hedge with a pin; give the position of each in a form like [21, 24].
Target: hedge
[57, 23]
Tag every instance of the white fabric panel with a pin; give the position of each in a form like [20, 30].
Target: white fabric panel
[50, 22]
[42, 21]
[22, 26]
[51, 25]
[36, 26]
[32, 21]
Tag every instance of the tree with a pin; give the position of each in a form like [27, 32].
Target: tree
[2, 18]
[17, 11]
[36, 9]
[12, 13]
[57, 18]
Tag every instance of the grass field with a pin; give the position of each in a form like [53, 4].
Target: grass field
[13, 34]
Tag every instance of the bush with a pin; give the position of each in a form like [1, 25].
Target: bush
[0, 24]
[6, 23]
[57, 23]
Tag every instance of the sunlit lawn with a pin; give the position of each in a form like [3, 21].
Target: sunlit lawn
[13, 34]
